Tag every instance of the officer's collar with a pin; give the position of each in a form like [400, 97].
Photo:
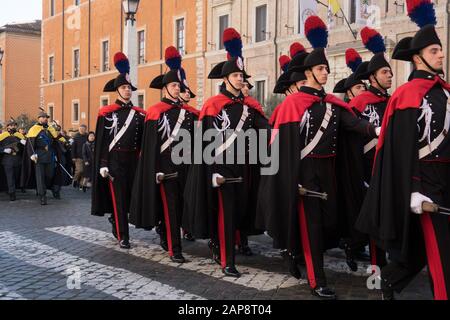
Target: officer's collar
[421, 74]
[122, 104]
[378, 92]
[240, 98]
[312, 91]
[171, 102]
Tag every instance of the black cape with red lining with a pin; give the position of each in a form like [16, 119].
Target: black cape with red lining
[101, 202]
[146, 210]
[386, 215]
[351, 173]
[277, 210]
[201, 203]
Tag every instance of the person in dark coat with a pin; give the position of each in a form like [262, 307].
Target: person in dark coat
[79, 139]
[412, 167]
[11, 152]
[217, 201]
[160, 179]
[118, 144]
[43, 160]
[88, 161]
[305, 135]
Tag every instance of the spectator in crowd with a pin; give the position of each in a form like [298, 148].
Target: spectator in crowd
[88, 158]
[79, 140]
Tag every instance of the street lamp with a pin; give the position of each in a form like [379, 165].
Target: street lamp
[130, 7]
[130, 42]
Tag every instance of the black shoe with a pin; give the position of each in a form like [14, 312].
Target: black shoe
[215, 251]
[84, 189]
[231, 272]
[125, 244]
[293, 263]
[57, 195]
[245, 250]
[324, 293]
[12, 196]
[349, 258]
[187, 236]
[387, 293]
[114, 229]
[43, 201]
[178, 258]
[163, 243]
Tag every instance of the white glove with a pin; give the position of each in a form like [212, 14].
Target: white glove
[34, 157]
[7, 150]
[71, 141]
[214, 180]
[377, 131]
[23, 141]
[416, 202]
[104, 172]
[159, 174]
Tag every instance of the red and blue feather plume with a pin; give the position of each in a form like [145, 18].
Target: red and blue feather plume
[173, 58]
[232, 42]
[372, 40]
[421, 12]
[352, 59]
[121, 62]
[316, 32]
[284, 61]
[296, 48]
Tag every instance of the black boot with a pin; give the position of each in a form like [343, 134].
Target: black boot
[114, 229]
[56, 195]
[324, 293]
[12, 196]
[243, 247]
[215, 251]
[188, 236]
[231, 271]
[178, 258]
[43, 200]
[387, 293]
[163, 242]
[349, 258]
[293, 262]
[125, 244]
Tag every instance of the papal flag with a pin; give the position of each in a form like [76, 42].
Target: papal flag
[334, 6]
[307, 8]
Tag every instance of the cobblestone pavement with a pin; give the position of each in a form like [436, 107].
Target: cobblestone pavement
[61, 252]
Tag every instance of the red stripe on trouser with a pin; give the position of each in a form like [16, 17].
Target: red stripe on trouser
[221, 231]
[373, 254]
[238, 238]
[434, 258]
[116, 215]
[306, 247]
[166, 219]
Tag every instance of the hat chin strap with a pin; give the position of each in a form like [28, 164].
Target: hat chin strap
[167, 90]
[122, 96]
[315, 79]
[428, 65]
[229, 82]
[376, 80]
